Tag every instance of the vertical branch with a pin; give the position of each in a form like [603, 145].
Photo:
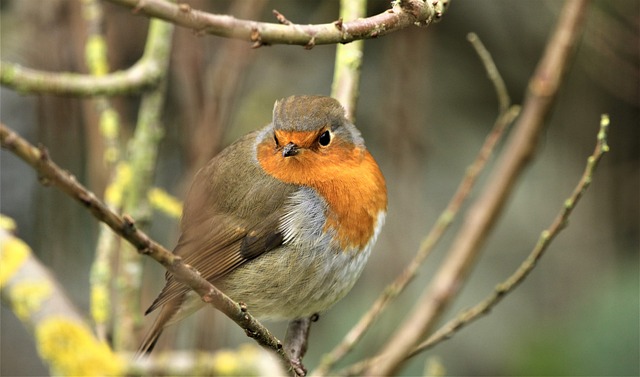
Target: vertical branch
[520, 149]
[546, 237]
[346, 76]
[109, 128]
[506, 116]
[142, 153]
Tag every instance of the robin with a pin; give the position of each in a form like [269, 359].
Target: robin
[283, 219]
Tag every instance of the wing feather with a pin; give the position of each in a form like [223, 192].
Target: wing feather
[228, 221]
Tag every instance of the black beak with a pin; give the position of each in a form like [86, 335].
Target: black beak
[289, 150]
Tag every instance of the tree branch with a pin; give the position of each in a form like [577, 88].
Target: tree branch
[346, 75]
[401, 15]
[443, 222]
[507, 114]
[142, 156]
[546, 237]
[108, 124]
[466, 317]
[145, 73]
[50, 173]
[64, 341]
[481, 218]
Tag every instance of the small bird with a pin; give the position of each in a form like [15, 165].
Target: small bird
[283, 219]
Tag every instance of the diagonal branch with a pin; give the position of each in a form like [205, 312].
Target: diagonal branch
[468, 316]
[403, 14]
[50, 173]
[548, 235]
[507, 114]
[483, 214]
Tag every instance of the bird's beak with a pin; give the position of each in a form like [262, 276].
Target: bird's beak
[289, 150]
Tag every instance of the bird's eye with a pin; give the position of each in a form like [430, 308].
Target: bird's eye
[325, 138]
[275, 138]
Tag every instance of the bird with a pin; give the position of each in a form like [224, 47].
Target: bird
[282, 220]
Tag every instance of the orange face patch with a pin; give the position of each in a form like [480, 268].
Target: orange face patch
[301, 139]
[346, 176]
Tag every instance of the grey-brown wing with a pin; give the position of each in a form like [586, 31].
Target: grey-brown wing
[228, 221]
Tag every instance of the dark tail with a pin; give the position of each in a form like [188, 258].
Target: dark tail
[167, 312]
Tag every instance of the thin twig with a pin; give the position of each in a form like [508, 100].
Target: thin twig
[400, 16]
[466, 317]
[50, 172]
[485, 211]
[443, 222]
[492, 71]
[559, 223]
[281, 18]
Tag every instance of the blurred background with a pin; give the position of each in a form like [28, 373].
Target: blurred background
[424, 109]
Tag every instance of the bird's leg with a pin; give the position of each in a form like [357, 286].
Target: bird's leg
[295, 342]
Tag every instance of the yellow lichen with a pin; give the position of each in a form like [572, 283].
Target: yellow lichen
[114, 192]
[12, 255]
[109, 120]
[164, 202]
[27, 297]
[226, 363]
[99, 304]
[96, 53]
[71, 350]
[111, 155]
[7, 223]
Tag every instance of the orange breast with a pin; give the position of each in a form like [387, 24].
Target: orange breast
[347, 177]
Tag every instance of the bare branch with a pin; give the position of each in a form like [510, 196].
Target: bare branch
[145, 73]
[468, 316]
[108, 124]
[346, 74]
[492, 71]
[401, 15]
[481, 218]
[445, 219]
[546, 237]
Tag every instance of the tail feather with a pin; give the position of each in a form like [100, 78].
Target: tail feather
[164, 319]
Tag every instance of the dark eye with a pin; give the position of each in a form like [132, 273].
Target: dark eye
[325, 138]
[275, 138]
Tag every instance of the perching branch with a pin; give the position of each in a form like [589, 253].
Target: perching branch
[482, 216]
[402, 14]
[50, 173]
